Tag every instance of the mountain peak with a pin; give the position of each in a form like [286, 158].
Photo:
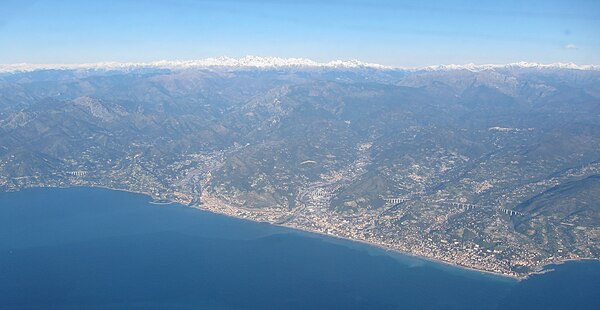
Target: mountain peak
[515, 65]
[258, 62]
[222, 62]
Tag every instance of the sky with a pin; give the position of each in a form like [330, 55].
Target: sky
[395, 33]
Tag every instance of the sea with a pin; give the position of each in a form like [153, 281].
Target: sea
[91, 248]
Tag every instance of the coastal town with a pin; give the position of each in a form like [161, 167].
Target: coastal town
[433, 227]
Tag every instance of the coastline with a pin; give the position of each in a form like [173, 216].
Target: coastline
[425, 258]
[326, 235]
[388, 249]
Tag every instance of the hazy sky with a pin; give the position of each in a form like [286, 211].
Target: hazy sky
[397, 33]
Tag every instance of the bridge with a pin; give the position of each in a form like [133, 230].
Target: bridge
[465, 206]
[469, 206]
[395, 201]
[510, 212]
[77, 173]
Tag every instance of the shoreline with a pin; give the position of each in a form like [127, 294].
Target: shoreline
[322, 235]
[411, 255]
[381, 247]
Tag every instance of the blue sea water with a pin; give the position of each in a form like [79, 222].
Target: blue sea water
[87, 248]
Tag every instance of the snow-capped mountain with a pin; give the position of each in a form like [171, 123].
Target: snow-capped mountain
[256, 62]
[224, 62]
[516, 65]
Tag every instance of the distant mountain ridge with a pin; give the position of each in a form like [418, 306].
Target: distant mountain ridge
[257, 62]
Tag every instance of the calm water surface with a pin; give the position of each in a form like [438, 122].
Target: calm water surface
[85, 248]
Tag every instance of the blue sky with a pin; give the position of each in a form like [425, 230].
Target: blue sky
[397, 33]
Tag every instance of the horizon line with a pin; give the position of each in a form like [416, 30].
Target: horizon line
[266, 62]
